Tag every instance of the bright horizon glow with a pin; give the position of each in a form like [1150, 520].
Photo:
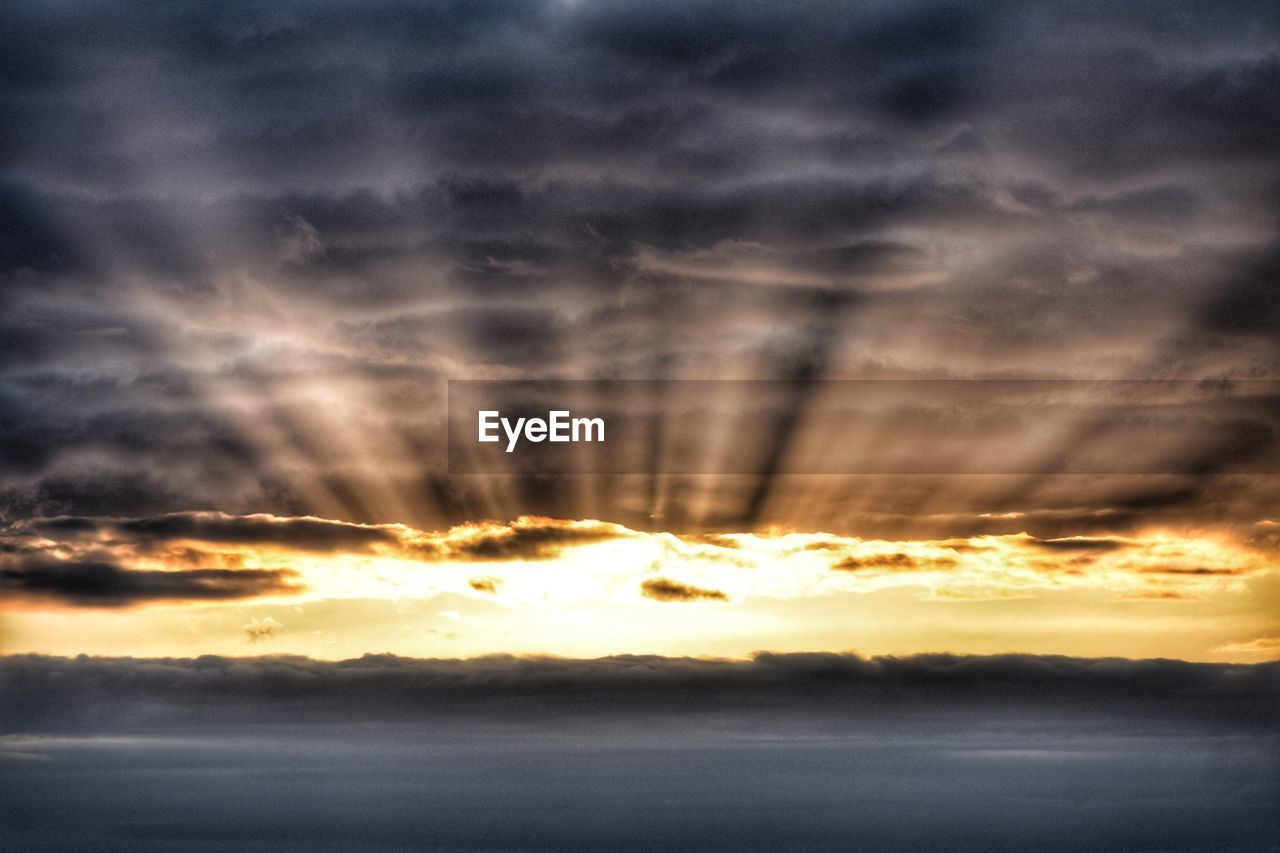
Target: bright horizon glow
[589, 588]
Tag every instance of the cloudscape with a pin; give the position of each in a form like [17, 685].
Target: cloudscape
[929, 354]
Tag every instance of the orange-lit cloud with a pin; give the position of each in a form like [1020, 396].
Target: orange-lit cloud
[215, 556]
[189, 534]
[665, 589]
[194, 581]
[1268, 647]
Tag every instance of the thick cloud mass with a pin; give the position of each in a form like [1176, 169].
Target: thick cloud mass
[241, 247]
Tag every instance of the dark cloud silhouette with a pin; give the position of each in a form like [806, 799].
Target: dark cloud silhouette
[665, 589]
[526, 538]
[100, 584]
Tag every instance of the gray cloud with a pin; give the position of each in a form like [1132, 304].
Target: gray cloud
[48, 693]
[99, 584]
[410, 193]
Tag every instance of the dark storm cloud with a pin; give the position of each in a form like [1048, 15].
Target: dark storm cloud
[604, 188]
[1246, 304]
[49, 693]
[100, 584]
[529, 84]
[665, 589]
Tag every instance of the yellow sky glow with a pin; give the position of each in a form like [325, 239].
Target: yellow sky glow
[586, 588]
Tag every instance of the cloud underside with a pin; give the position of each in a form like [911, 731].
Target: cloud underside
[526, 538]
[243, 247]
[93, 584]
[34, 564]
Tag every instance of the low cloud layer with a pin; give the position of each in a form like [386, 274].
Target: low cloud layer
[51, 694]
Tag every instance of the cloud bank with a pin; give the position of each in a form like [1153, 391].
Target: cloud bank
[51, 694]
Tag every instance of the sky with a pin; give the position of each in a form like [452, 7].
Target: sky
[243, 249]
[938, 348]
